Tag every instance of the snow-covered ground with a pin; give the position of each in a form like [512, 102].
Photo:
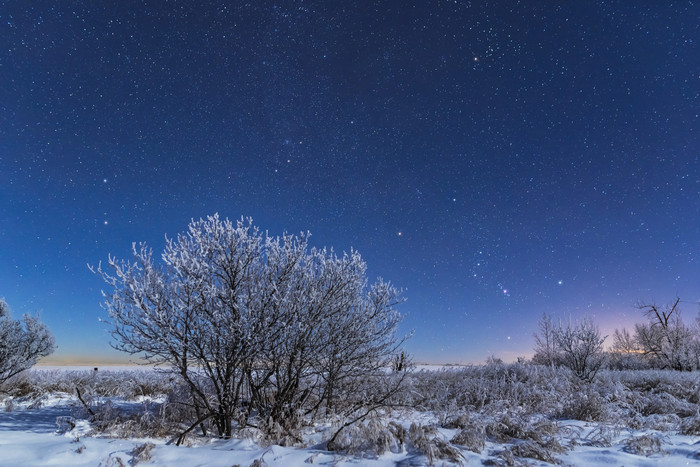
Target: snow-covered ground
[53, 430]
[32, 437]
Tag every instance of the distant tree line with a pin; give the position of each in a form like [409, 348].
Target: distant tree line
[665, 341]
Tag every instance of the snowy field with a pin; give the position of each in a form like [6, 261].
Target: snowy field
[488, 415]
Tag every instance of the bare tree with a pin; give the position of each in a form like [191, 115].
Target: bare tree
[252, 323]
[546, 352]
[578, 347]
[22, 343]
[581, 348]
[624, 342]
[626, 353]
[665, 339]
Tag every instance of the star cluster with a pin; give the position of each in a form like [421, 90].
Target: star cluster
[497, 159]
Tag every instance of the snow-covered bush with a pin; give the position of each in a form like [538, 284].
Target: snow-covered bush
[426, 440]
[645, 445]
[602, 436]
[142, 453]
[472, 437]
[585, 405]
[578, 347]
[22, 343]
[373, 437]
[664, 341]
[662, 403]
[534, 450]
[691, 425]
[532, 437]
[455, 420]
[257, 324]
[489, 388]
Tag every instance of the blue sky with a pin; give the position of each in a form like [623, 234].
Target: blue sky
[496, 160]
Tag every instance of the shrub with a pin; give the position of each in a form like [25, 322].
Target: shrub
[602, 436]
[586, 406]
[141, 453]
[472, 438]
[371, 438]
[691, 426]
[533, 450]
[644, 445]
[460, 420]
[425, 439]
[274, 323]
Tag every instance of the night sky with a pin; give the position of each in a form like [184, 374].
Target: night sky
[496, 159]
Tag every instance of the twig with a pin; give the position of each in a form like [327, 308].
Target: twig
[80, 398]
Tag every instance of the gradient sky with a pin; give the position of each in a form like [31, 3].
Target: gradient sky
[497, 159]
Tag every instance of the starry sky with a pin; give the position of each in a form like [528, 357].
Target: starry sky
[496, 159]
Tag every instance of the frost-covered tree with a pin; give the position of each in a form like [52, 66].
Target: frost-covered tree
[624, 342]
[546, 352]
[666, 340]
[578, 347]
[625, 353]
[22, 342]
[252, 323]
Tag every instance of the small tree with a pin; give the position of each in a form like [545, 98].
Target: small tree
[546, 352]
[624, 342]
[253, 323]
[578, 347]
[665, 339]
[22, 343]
[581, 348]
[625, 353]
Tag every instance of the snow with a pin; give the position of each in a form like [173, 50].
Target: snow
[52, 430]
[30, 437]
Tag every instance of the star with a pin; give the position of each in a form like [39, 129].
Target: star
[348, 152]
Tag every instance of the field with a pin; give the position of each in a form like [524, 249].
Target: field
[496, 414]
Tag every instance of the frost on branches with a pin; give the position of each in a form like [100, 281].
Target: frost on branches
[22, 343]
[578, 347]
[262, 325]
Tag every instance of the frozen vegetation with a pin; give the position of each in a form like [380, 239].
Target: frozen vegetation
[495, 414]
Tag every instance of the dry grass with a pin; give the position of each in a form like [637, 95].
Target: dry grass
[644, 445]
